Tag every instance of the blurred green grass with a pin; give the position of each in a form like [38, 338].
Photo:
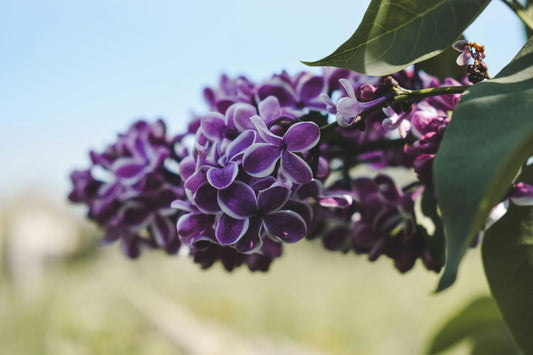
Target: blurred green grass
[328, 302]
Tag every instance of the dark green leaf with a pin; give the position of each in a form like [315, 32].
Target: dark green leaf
[443, 65]
[495, 341]
[486, 142]
[480, 322]
[435, 243]
[396, 34]
[508, 261]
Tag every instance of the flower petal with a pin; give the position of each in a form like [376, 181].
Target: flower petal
[282, 94]
[245, 140]
[197, 179]
[220, 178]
[287, 226]
[270, 109]
[251, 241]
[461, 45]
[312, 189]
[339, 201]
[213, 126]
[193, 227]
[229, 230]
[463, 58]
[347, 110]
[135, 215]
[301, 136]
[260, 159]
[303, 209]
[238, 200]
[264, 132]
[240, 114]
[348, 87]
[262, 183]
[205, 199]
[129, 170]
[187, 167]
[295, 168]
[165, 234]
[310, 87]
[272, 199]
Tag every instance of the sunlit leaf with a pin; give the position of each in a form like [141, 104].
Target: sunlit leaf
[481, 322]
[396, 34]
[486, 142]
[443, 65]
[508, 261]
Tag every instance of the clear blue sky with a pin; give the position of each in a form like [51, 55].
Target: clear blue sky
[74, 73]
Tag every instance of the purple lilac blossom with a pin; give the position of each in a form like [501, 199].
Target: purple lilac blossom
[381, 221]
[231, 177]
[259, 173]
[131, 202]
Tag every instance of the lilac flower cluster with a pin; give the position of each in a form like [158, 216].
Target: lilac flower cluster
[264, 169]
[129, 189]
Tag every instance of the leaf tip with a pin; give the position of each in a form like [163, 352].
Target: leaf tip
[311, 64]
[447, 279]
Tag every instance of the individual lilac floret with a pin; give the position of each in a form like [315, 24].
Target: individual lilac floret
[468, 50]
[478, 71]
[244, 212]
[229, 92]
[395, 120]
[260, 159]
[463, 46]
[349, 108]
[197, 231]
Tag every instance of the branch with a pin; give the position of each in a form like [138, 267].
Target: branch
[521, 12]
[402, 96]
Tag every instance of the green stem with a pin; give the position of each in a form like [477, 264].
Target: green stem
[417, 95]
[404, 95]
[519, 10]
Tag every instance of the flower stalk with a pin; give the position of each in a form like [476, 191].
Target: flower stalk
[401, 96]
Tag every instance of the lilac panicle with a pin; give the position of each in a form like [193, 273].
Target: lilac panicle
[258, 172]
[131, 202]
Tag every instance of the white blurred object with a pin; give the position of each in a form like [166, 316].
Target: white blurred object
[37, 231]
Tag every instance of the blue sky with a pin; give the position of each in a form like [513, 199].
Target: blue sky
[73, 73]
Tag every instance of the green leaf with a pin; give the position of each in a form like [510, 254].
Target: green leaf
[478, 317]
[508, 260]
[495, 341]
[435, 243]
[396, 34]
[486, 142]
[443, 65]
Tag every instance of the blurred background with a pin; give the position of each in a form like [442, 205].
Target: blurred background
[75, 73]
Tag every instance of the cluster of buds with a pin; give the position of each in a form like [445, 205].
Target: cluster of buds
[478, 71]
